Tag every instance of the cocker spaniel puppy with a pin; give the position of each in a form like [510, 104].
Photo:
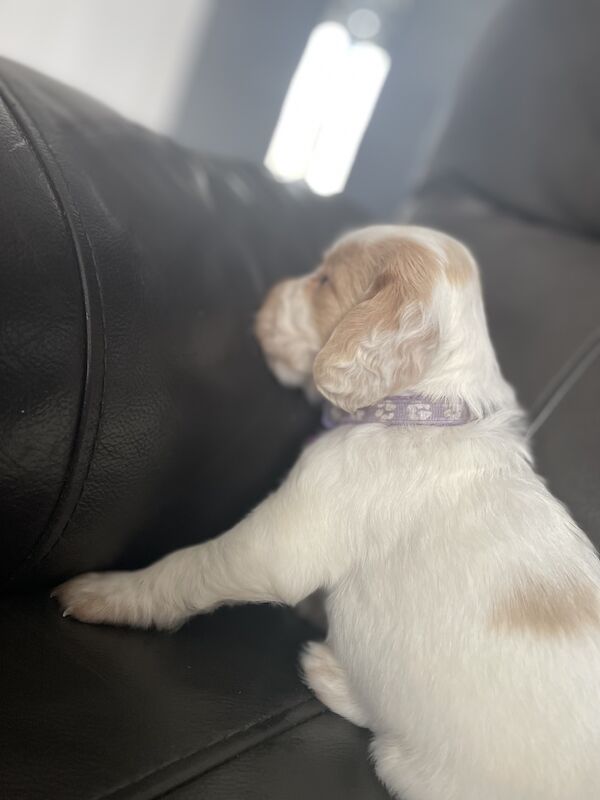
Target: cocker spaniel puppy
[463, 601]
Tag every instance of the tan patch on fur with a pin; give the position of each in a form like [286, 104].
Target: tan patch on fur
[372, 285]
[547, 609]
[363, 293]
[392, 271]
[461, 266]
[349, 276]
[410, 264]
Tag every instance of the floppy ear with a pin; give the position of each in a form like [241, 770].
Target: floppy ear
[382, 345]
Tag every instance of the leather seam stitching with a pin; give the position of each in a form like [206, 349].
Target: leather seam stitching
[217, 765]
[564, 381]
[123, 790]
[449, 179]
[92, 308]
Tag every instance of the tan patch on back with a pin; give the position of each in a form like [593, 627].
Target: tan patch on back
[546, 609]
[461, 267]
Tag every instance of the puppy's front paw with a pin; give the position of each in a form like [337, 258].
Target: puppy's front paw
[115, 598]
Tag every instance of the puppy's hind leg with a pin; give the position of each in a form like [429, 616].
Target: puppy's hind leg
[405, 775]
[327, 678]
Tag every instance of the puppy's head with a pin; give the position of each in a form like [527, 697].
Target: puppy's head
[365, 323]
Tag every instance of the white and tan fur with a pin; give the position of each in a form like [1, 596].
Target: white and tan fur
[463, 601]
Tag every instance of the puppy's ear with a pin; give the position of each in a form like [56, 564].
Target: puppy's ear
[382, 345]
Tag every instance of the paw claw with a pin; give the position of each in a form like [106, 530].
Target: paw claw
[114, 598]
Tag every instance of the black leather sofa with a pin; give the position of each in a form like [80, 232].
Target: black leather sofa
[136, 414]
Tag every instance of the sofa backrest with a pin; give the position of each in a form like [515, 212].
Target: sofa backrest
[136, 413]
[524, 130]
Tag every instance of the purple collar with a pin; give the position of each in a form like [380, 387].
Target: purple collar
[403, 410]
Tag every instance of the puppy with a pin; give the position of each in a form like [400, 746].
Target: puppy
[463, 600]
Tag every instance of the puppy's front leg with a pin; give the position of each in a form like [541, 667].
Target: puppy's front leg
[281, 552]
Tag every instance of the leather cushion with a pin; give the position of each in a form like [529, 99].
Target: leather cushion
[92, 712]
[524, 128]
[135, 401]
[323, 758]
